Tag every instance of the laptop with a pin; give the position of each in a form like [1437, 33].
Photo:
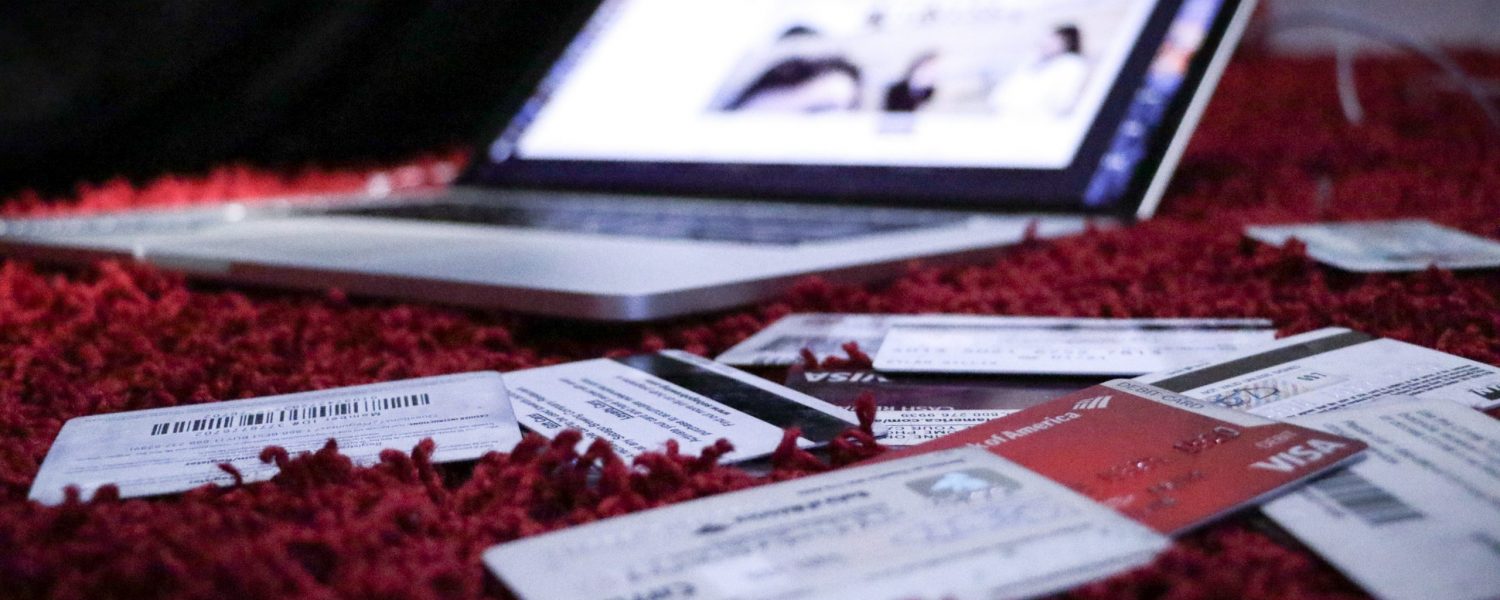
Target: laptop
[680, 156]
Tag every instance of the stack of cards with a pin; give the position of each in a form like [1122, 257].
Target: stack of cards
[924, 381]
[1421, 517]
[1174, 462]
[1025, 476]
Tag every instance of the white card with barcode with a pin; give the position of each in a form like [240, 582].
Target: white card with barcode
[961, 523]
[1420, 516]
[1027, 346]
[1331, 369]
[169, 450]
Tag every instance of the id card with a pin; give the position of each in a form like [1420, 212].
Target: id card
[639, 402]
[1420, 518]
[170, 450]
[955, 524]
[1166, 460]
[920, 408]
[1332, 369]
[1102, 347]
[1385, 246]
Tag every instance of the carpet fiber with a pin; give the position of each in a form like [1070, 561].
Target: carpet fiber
[1273, 147]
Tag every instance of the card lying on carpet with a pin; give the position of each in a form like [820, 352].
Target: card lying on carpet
[1330, 369]
[639, 402]
[1420, 518]
[1166, 460]
[169, 450]
[824, 334]
[1104, 347]
[956, 524]
[919, 408]
[1385, 246]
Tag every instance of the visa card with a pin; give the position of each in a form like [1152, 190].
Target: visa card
[921, 408]
[1163, 459]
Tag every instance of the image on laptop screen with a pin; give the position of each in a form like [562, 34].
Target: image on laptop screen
[1027, 102]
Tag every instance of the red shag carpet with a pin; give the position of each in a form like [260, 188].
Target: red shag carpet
[1273, 147]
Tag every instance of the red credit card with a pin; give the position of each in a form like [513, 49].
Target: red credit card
[1163, 459]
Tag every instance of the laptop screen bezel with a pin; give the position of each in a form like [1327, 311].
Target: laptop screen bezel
[852, 185]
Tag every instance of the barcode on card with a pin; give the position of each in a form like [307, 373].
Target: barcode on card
[1367, 501]
[291, 414]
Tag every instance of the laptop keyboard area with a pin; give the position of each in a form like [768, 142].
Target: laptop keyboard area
[751, 224]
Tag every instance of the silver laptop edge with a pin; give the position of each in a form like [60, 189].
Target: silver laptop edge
[1202, 94]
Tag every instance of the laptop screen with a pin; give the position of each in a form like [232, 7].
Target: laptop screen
[1024, 104]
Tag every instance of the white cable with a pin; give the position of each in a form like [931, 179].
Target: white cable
[1322, 18]
[1354, 112]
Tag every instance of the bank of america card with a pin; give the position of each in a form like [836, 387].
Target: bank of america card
[1420, 518]
[170, 450]
[1163, 459]
[1102, 347]
[955, 524]
[1331, 369]
[639, 402]
[920, 408]
[1385, 246]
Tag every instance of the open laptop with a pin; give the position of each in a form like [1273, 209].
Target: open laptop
[678, 156]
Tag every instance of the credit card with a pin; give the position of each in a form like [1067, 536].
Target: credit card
[955, 524]
[1100, 347]
[1165, 460]
[824, 334]
[1421, 517]
[639, 402]
[170, 450]
[1385, 246]
[1331, 369]
[919, 408]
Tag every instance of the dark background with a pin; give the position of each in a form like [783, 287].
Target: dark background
[94, 90]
